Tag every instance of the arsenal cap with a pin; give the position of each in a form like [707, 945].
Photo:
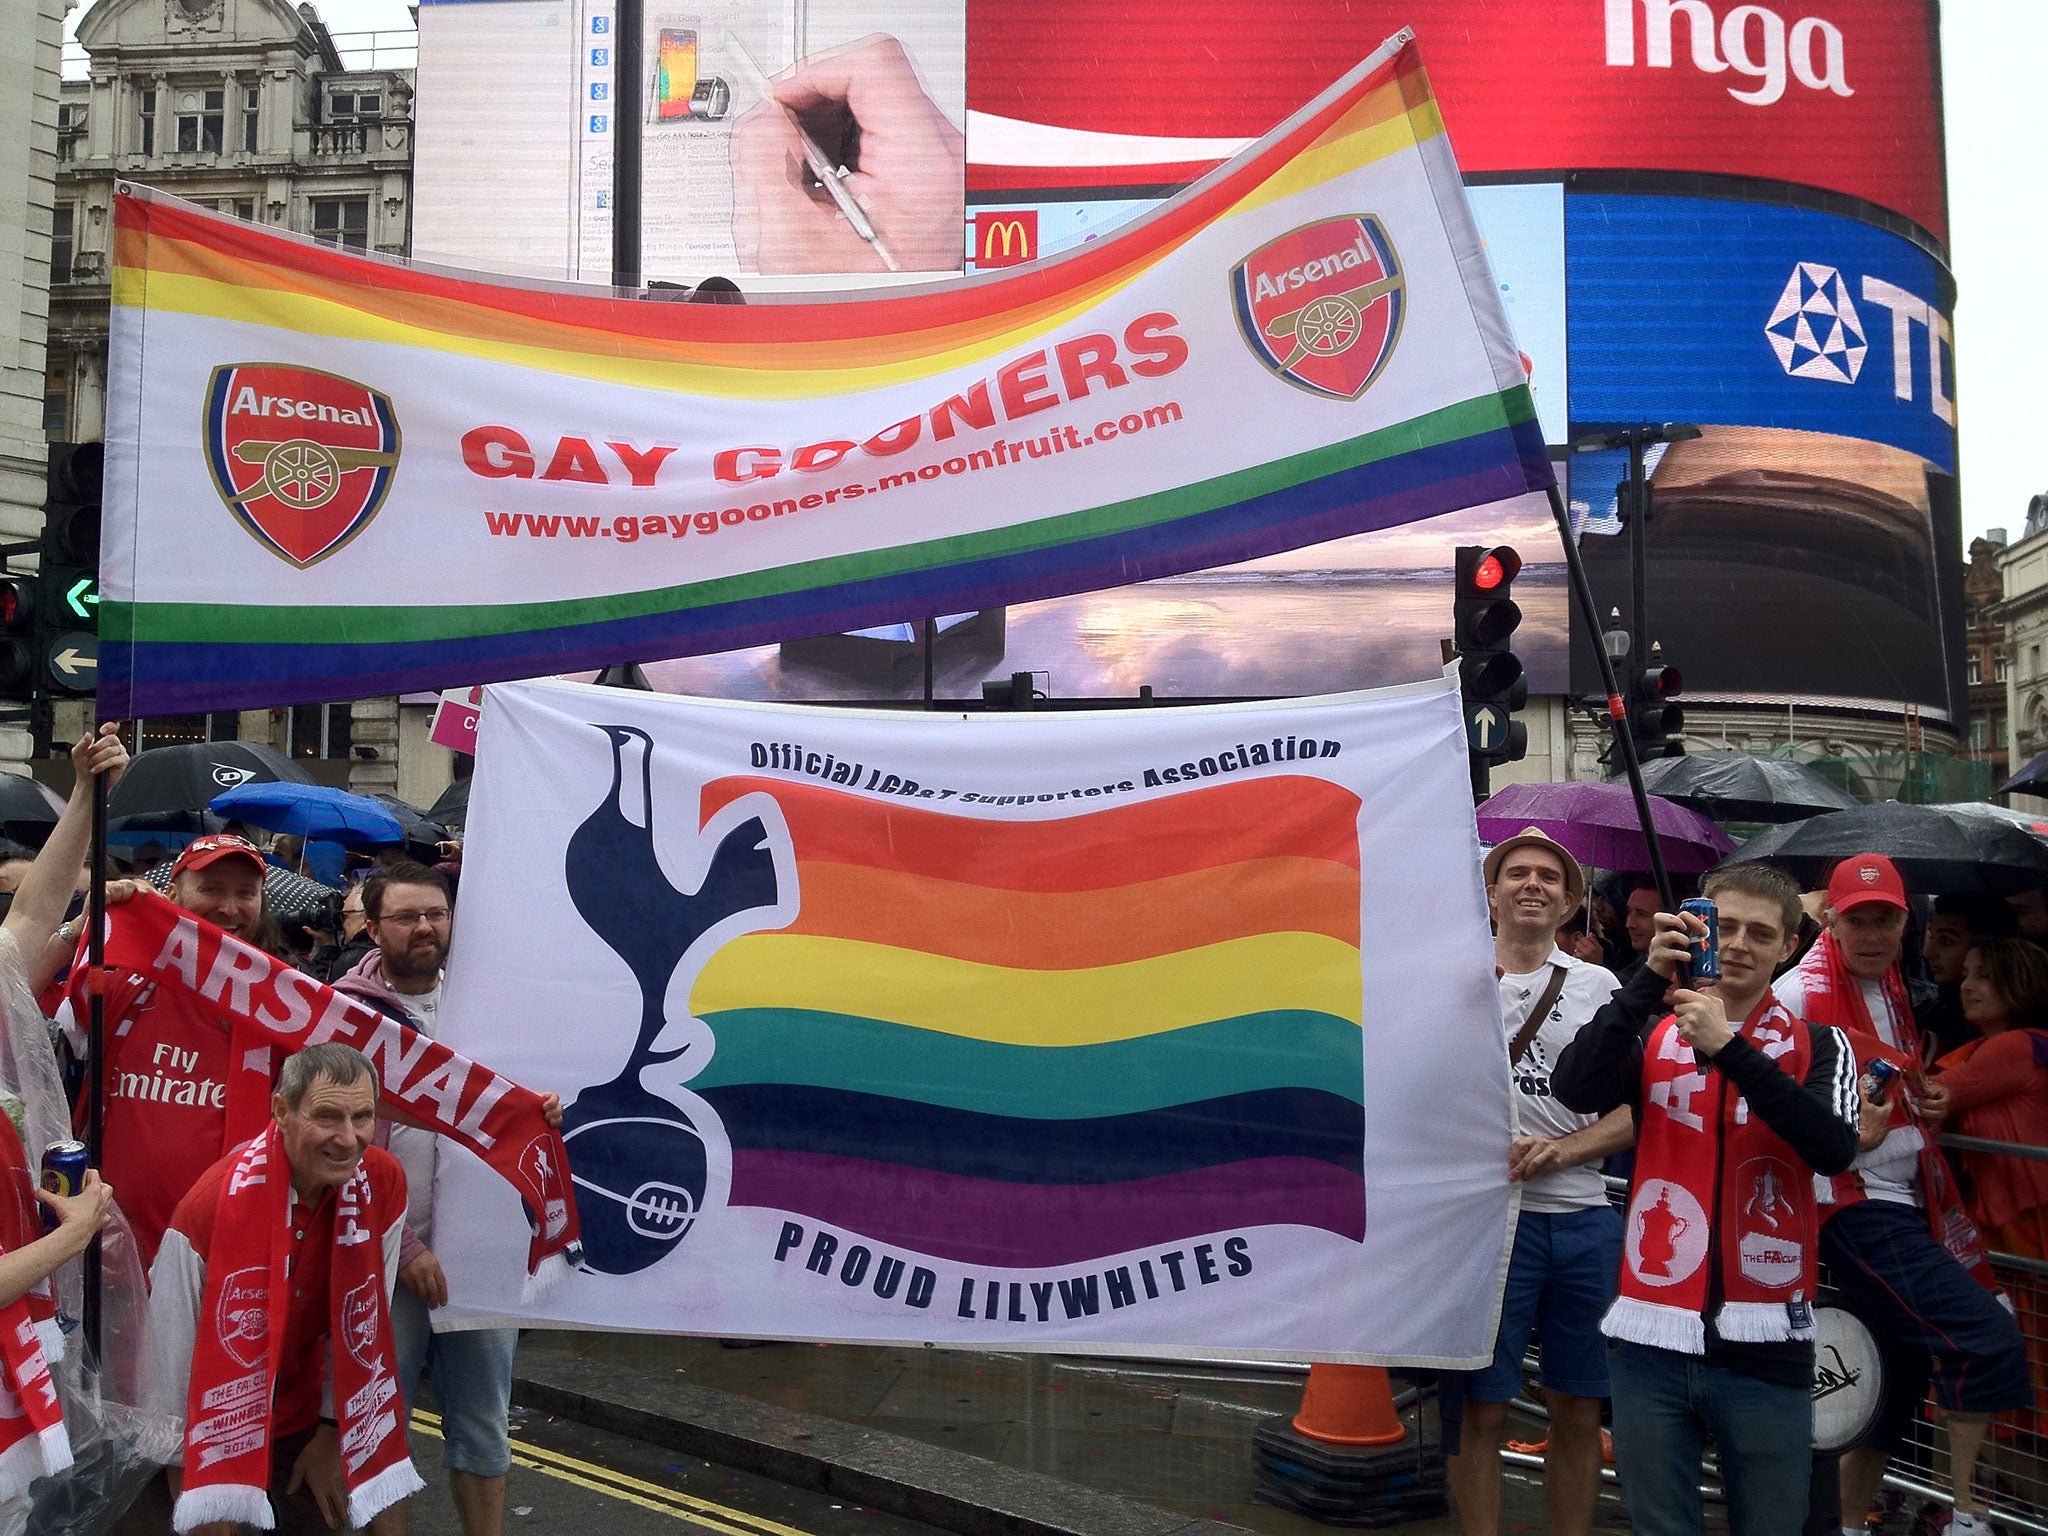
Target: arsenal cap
[202, 851]
[1867, 878]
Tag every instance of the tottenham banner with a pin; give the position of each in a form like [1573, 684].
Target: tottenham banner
[407, 479]
[1141, 1030]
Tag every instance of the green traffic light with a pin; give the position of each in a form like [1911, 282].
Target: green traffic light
[82, 596]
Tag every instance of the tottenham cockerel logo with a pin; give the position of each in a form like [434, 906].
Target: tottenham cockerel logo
[1322, 305]
[641, 1164]
[302, 458]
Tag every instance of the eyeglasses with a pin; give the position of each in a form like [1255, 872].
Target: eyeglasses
[433, 915]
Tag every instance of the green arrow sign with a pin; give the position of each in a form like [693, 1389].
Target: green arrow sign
[82, 597]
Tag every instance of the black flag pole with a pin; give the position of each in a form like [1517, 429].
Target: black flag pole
[95, 1110]
[1617, 708]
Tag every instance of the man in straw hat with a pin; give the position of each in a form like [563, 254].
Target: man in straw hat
[1568, 1244]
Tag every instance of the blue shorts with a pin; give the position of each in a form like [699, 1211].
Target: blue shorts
[1930, 1318]
[1561, 1280]
[472, 1373]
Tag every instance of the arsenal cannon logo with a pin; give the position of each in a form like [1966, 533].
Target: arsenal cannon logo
[1322, 305]
[302, 458]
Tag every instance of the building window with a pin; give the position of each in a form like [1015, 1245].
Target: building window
[70, 128]
[1980, 734]
[319, 730]
[240, 207]
[343, 221]
[57, 404]
[147, 117]
[201, 116]
[251, 95]
[63, 220]
[355, 106]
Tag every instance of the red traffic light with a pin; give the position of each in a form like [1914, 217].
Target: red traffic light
[1661, 683]
[1485, 573]
[17, 604]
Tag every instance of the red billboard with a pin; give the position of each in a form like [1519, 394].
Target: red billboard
[1842, 95]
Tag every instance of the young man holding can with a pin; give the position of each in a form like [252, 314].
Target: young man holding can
[1737, 1103]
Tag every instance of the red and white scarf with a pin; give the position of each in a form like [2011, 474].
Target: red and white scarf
[1696, 1137]
[33, 1443]
[277, 1010]
[1835, 996]
[235, 1366]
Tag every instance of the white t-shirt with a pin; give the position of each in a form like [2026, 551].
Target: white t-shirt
[413, 1147]
[1586, 989]
[1891, 1169]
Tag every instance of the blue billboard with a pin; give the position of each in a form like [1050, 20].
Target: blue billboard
[1757, 315]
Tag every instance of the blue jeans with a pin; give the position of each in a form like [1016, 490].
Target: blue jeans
[472, 1383]
[1665, 1407]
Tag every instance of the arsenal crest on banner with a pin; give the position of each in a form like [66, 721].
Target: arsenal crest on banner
[1322, 305]
[302, 458]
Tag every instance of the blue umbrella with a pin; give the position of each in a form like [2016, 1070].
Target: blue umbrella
[310, 810]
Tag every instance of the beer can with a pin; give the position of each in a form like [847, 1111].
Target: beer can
[64, 1168]
[1706, 949]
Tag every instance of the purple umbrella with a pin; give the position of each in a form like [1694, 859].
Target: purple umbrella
[1597, 822]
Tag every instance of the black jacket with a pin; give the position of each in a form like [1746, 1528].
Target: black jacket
[1602, 1069]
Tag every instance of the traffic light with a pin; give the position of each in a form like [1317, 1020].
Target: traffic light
[1490, 676]
[1655, 721]
[20, 654]
[67, 607]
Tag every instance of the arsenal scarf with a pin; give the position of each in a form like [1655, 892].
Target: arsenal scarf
[1834, 996]
[227, 1406]
[277, 1010]
[33, 1443]
[1698, 1149]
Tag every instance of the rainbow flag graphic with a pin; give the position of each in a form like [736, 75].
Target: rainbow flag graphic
[1029, 1043]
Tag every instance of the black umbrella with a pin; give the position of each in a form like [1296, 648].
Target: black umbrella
[1734, 786]
[28, 809]
[187, 777]
[422, 836]
[452, 809]
[1937, 850]
[173, 829]
[2030, 780]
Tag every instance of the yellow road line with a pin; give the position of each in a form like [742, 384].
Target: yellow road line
[633, 1490]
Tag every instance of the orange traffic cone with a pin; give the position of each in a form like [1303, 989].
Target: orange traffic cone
[1349, 1405]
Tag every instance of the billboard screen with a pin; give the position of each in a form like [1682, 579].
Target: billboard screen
[1781, 565]
[1070, 94]
[1754, 314]
[1814, 352]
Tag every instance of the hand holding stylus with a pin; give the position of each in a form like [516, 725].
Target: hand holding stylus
[910, 182]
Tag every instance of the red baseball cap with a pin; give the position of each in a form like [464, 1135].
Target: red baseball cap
[202, 851]
[1867, 878]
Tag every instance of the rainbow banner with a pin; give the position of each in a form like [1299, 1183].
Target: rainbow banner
[1160, 1029]
[406, 479]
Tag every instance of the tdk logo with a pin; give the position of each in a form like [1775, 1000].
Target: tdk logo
[1753, 39]
[1817, 332]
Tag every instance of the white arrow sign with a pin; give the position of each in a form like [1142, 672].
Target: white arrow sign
[75, 661]
[1484, 726]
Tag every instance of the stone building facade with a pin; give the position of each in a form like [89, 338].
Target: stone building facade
[29, 53]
